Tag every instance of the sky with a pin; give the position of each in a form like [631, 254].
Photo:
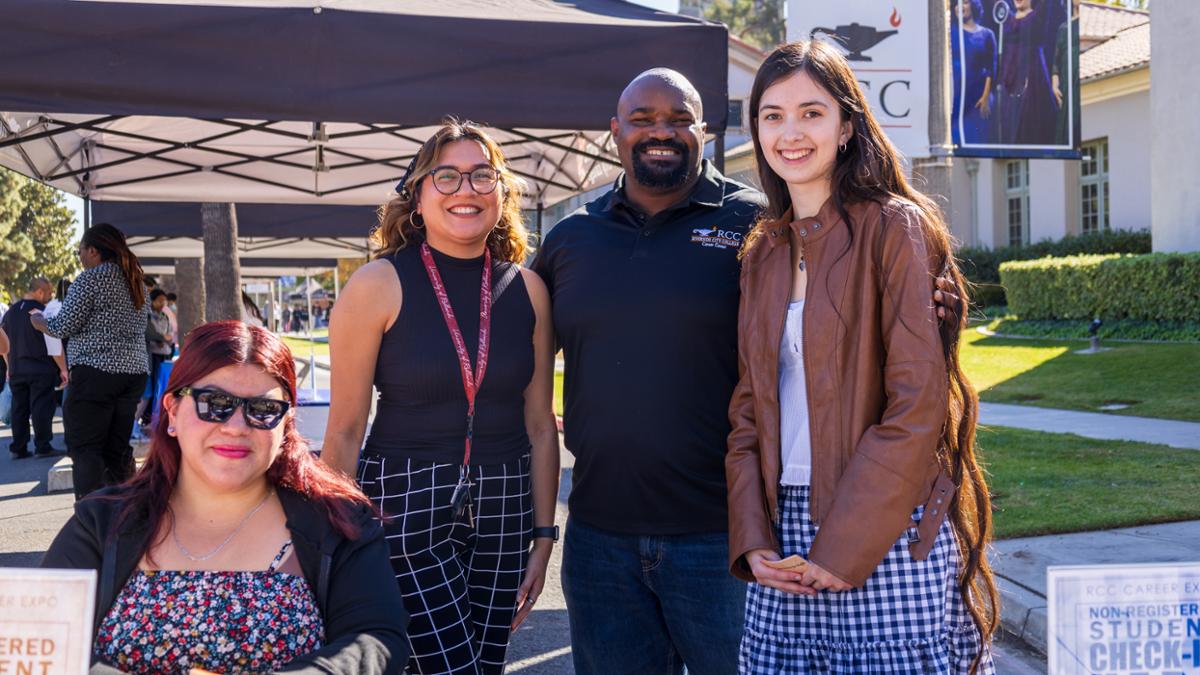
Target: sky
[76, 203]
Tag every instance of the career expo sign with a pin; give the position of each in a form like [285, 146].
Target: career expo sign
[1115, 619]
[46, 621]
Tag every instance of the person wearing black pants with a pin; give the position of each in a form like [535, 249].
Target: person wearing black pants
[33, 374]
[104, 315]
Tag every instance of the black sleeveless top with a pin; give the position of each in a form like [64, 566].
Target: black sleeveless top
[422, 408]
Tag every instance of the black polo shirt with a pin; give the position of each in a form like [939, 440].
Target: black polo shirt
[645, 309]
[27, 347]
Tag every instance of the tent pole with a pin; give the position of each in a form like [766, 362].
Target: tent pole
[541, 208]
[719, 151]
[312, 352]
[271, 305]
[87, 213]
[337, 283]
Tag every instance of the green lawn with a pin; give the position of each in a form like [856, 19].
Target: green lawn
[300, 347]
[1051, 483]
[1154, 380]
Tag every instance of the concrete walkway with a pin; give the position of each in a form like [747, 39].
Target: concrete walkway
[1021, 565]
[1092, 425]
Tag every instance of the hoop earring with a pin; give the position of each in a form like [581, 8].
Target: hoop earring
[413, 222]
[842, 148]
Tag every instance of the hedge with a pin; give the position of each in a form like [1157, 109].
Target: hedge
[1152, 287]
[982, 265]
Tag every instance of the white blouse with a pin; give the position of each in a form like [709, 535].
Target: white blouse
[795, 442]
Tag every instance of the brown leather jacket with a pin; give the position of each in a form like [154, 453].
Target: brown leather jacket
[877, 386]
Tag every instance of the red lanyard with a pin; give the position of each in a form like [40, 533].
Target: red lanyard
[471, 381]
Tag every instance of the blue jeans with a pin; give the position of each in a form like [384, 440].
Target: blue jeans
[647, 605]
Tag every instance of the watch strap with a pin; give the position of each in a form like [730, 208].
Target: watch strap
[546, 532]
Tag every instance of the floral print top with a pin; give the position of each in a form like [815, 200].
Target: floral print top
[225, 622]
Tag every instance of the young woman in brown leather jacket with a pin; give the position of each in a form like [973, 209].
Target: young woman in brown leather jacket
[852, 420]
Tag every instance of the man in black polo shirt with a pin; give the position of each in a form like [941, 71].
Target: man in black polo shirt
[32, 373]
[644, 283]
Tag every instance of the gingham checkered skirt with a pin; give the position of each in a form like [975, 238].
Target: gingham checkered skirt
[907, 618]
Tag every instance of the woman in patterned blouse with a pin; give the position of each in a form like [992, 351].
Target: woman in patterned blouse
[104, 315]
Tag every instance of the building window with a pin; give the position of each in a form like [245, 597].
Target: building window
[1016, 197]
[735, 114]
[1093, 187]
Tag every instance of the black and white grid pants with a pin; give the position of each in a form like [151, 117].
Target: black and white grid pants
[459, 582]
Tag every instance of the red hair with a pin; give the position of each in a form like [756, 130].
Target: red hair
[211, 347]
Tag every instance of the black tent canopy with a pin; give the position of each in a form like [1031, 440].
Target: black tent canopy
[173, 229]
[303, 101]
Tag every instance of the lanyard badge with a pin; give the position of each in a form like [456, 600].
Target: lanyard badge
[461, 498]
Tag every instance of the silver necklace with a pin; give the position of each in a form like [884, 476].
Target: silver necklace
[187, 554]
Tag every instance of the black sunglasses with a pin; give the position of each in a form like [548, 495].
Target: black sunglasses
[214, 405]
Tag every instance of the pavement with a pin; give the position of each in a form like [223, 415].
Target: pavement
[1092, 425]
[30, 517]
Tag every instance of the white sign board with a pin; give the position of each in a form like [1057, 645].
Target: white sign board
[887, 45]
[46, 621]
[1113, 619]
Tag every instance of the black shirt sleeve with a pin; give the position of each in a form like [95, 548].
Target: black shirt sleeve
[365, 620]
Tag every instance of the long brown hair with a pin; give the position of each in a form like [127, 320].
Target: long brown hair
[109, 242]
[509, 240]
[870, 170]
[211, 347]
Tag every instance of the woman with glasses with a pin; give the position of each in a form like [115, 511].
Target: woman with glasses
[462, 456]
[233, 549]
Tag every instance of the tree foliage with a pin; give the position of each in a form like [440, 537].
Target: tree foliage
[16, 249]
[37, 234]
[759, 22]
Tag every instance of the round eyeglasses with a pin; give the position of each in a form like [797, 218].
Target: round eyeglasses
[448, 180]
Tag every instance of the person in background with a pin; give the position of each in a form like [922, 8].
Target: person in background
[160, 344]
[853, 424]
[234, 549]
[172, 313]
[55, 347]
[33, 374]
[5, 394]
[250, 312]
[104, 316]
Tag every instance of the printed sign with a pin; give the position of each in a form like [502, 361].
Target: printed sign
[46, 621]
[1114, 619]
[1015, 74]
[887, 45]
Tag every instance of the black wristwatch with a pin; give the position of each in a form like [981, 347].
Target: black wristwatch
[546, 532]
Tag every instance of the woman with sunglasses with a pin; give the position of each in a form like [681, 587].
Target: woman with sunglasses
[462, 457]
[234, 549]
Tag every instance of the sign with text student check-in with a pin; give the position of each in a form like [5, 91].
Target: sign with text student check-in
[887, 45]
[46, 621]
[1117, 619]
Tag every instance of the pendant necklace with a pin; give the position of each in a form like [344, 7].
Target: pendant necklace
[187, 554]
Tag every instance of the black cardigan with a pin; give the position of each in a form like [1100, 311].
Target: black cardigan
[352, 580]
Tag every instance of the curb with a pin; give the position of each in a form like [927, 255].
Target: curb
[1023, 613]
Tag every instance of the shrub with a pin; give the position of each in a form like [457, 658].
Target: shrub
[982, 265]
[1152, 287]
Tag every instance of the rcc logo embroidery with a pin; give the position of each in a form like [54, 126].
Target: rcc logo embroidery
[715, 237]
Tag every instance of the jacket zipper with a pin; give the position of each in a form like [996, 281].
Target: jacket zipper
[779, 407]
[812, 446]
